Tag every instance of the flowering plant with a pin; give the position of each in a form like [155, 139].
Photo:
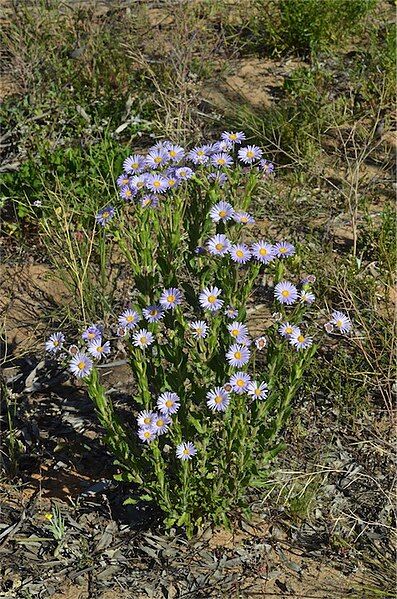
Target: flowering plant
[211, 398]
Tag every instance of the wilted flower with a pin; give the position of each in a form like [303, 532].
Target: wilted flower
[55, 343]
[260, 343]
[185, 451]
[129, 319]
[97, 349]
[329, 327]
[249, 154]
[238, 355]
[218, 245]
[284, 249]
[104, 215]
[341, 321]
[209, 299]
[310, 279]
[222, 211]
[263, 252]
[300, 341]
[218, 399]
[170, 298]
[168, 403]
[240, 253]
[239, 382]
[80, 365]
[73, 350]
[142, 338]
[258, 391]
[199, 329]
[286, 292]
[153, 313]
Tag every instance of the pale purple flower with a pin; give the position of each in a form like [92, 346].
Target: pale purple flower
[260, 343]
[161, 423]
[123, 180]
[222, 211]
[97, 349]
[209, 299]
[258, 391]
[80, 365]
[147, 434]
[127, 192]
[341, 321]
[286, 329]
[149, 201]
[284, 249]
[263, 252]
[138, 182]
[168, 403]
[134, 163]
[218, 177]
[222, 160]
[129, 319]
[55, 343]
[309, 280]
[146, 418]
[249, 154]
[153, 313]
[233, 137]
[266, 166]
[104, 215]
[221, 146]
[238, 355]
[156, 183]
[218, 245]
[157, 157]
[307, 297]
[237, 330]
[142, 338]
[243, 218]
[218, 399]
[286, 293]
[176, 153]
[184, 173]
[172, 181]
[231, 312]
[239, 382]
[198, 155]
[240, 253]
[185, 451]
[199, 329]
[300, 341]
[170, 298]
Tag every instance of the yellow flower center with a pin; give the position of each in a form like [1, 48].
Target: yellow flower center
[140, 184]
[301, 338]
[288, 330]
[130, 318]
[182, 173]
[200, 153]
[147, 420]
[240, 254]
[106, 214]
[171, 299]
[244, 219]
[172, 153]
[257, 391]
[127, 193]
[171, 182]
[134, 165]
[169, 403]
[199, 331]
[237, 355]
[233, 136]
[157, 183]
[221, 161]
[125, 181]
[222, 213]
[100, 349]
[250, 154]
[285, 293]
[339, 323]
[147, 434]
[212, 299]
[56, 343]
[153, 312]
[218, 399]
[186, 452]
[160, 422]
[143, 339]
[158, 159]
[235, 332]
[81, 365]
[282, 250]
[263, 252]
[219, 246]
[240, 383]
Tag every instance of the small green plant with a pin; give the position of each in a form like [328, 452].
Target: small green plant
[56, 524]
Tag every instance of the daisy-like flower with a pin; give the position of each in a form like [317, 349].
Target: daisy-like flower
[199, 329]
[147, 434]
[286, 293]
[185, 451]
[233, 137]
[222, 211]
[238, 355]
[243, 218]
[170, 298]
[149, 201]
[138, 182]
[240, 253]
[129, 319]
[168, 403]
[104, 215]
[209, 299]
[300, 341]
[97, 349]
[341, 321]
[258, 391]
[146, 418]
[231, 312]
[263, 252]
[237, 330]
[123, 180]
[222, 160]
[156, 158]
[153, 313]
[175, 152]
[260, 343]
[284, 249]
[184, 173]
[55, 343]
[80, 365]
[286, 330]
[134, 163]
[172, 181]
[142, 338]
[221, 146]
[218, 399]
[266, 167]
[156, 183]
[198, 155]
[239, 382]
[217, 177]
[127, 192]
[218, 245]
[307, 297]
[161, 423]
[249, 154]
